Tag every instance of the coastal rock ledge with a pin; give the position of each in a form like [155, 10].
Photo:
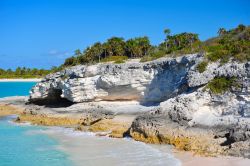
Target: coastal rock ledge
[178, 107]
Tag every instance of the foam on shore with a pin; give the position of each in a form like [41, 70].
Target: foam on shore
[85, 148]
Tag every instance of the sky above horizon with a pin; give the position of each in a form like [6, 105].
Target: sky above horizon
[42, 33]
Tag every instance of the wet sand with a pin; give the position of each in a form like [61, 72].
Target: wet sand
[188, 159]
[84, 149]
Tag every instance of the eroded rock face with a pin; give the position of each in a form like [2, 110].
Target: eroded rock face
[188, 115]
[147, 82]
[199, 121]
[233, 69]
[154, 81]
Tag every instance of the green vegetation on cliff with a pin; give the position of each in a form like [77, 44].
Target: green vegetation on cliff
[114, 47]
[138, 47]
[115, 59]
[202, 66]
[221, 84]
[232, 44]
[229, 44]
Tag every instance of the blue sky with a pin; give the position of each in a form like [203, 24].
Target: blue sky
[42, 33]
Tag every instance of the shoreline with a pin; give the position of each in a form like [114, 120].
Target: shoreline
[115, 124]
[82, 146]
[185, 158]
[20, 80]
[188, 159]
[76, 149]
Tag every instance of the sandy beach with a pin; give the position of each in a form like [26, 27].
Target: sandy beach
[189, 159]
[21, 80]
[84, 148]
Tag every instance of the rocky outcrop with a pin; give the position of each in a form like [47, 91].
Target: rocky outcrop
[153, 81]
[233, 69]
[6, 109]
[200, 122]
[183, 111]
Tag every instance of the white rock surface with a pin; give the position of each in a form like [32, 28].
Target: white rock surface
[202, 108]
[146, 82]
[173, 81]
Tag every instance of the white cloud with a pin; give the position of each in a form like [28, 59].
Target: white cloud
[59, 54]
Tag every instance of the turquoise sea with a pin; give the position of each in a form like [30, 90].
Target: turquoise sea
[18, 147]
[29, 145]
[15, 88]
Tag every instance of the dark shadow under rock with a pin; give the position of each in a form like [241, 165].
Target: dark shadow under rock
[53, 100]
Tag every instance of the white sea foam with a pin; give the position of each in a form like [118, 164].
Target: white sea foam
[11, 119]
[20, 124]
[87, 149]
[68, 132]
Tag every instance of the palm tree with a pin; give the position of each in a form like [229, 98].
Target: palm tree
[167, 33]
[131, 47]
[138, 47]
[144, 44]
[97, 50]
[222, 31]
[241, 27]
[116, 46]
[78, 52]
[105, 49]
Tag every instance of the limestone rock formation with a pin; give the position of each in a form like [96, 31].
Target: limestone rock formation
[153, 81]
[184, 113]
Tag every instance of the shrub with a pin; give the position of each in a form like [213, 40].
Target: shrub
[146, 59]
[202, 66]
[242, 57]
[194, 48]
[234, 44]
[116, 59]
[119, 61]
[221, 84]
[217, 55]
[71, 61]
[153, 56]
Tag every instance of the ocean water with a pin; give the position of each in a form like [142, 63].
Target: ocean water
[20, 148]
[15, 88]
[29, 145]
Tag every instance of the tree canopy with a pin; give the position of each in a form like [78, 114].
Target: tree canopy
[115, 46]
[234, 42]
[23, 72]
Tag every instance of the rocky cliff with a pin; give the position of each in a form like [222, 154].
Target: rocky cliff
[146, 82]
[185, 113]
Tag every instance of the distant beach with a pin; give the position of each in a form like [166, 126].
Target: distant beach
[21, 80]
